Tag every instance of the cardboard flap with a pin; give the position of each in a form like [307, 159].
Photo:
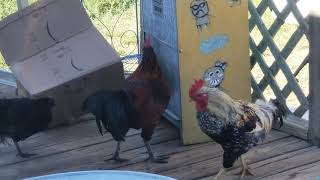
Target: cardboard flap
[40, 26]
[71, 20]
[77, 56]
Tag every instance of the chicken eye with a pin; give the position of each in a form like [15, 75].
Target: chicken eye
[211, 74]
[217, 72]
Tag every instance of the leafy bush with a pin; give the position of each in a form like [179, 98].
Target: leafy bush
[7, 7]
[102, 7]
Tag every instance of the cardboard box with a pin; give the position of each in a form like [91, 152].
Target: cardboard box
[54, 50]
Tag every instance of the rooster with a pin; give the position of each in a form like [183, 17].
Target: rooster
[236, 125]
[23, 117]
[139, 105]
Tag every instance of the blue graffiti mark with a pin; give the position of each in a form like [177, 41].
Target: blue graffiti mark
[213, 43]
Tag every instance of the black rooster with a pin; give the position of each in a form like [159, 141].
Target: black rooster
[23, 117]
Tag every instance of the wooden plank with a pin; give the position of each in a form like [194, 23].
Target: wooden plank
[274, 68]
[295, 126]
[304, 63]
[262, 7]
[278, 164]
[274, 28]
[267, 73]
[301, 110]
[297, 14]
[93, 161]
[53, 137]
[309, 171]
[199, 153]
[82, 155]
[257, 93]
[54, 142]
[210, 167]
[138, 163]
[280, 60]
[286, 162]
[314, 66]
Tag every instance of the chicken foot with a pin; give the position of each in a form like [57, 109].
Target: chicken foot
[221, 171]
[245, 168]
[152, 157]
[116, 156]
[20, 153]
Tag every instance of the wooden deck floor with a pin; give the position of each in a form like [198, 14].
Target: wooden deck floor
[80, 147]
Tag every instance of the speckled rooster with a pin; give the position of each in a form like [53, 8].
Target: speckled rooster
[236, 125]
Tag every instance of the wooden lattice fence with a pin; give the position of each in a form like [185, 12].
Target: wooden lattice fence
[272, 57]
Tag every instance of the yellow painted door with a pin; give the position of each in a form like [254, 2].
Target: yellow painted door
[209, 31]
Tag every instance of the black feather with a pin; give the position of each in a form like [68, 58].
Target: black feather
[23, 117]
[281, 111]
[114, 109]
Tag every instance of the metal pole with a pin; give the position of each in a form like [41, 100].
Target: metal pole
[314, 74]
[137, 26]
[20, 91]
[22, 4]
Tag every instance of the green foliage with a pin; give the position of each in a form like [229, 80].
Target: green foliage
[7, 7]
[102, 7]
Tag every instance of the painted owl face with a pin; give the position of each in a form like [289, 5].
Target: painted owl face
[213, 76]
[199, 8]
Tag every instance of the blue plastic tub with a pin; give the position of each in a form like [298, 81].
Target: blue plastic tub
[102, 175]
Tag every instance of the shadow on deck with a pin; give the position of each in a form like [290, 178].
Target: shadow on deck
[80, 147]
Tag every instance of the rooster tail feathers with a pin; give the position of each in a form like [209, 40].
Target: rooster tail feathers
[280, 113]
[114, 110]
[98, 121]
[272, 112]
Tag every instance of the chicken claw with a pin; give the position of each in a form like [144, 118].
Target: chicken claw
[152, 157]
[244, 172]
[245, 169]
[117, 158]
[158, 159]
[221, 171]
[25, 155]
[20, 153]
[163, 157]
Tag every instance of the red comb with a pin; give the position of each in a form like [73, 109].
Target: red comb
[147, 42]
[195, 87]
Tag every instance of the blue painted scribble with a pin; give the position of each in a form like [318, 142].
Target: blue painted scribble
[213, 43]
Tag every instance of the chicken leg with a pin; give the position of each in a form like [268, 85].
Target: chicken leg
[20, 153]
[116, 156]
[152, 157]
[245, 168]
[222, 171]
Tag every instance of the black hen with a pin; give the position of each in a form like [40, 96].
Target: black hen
[23, 117]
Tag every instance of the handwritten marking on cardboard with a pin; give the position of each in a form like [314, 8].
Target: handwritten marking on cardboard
[233, 3]
[200, 11]
[213, 43]
[74, 66]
